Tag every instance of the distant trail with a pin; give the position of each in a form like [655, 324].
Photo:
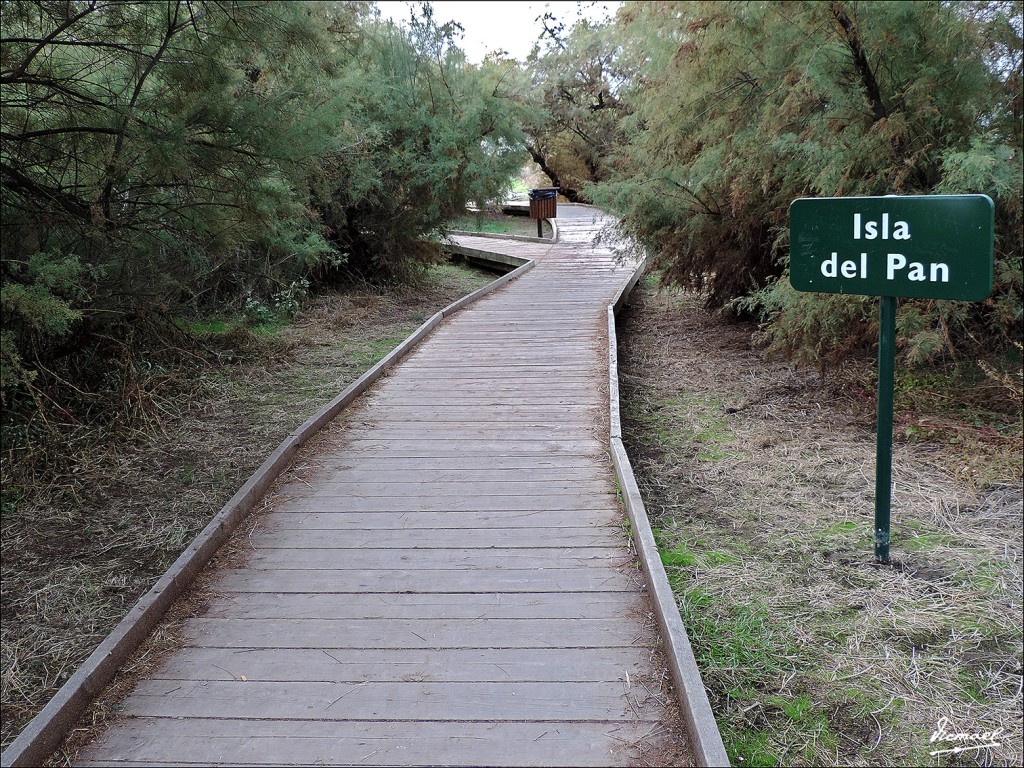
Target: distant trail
[450, 582]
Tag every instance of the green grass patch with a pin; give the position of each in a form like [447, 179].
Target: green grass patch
[689, 423]
[680, 556]
[495, 223]
[749, 747]
[221, 326]
[483, 224]
[371, 352]
[925, 541]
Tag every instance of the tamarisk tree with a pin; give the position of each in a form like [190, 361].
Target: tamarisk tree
[748, 106]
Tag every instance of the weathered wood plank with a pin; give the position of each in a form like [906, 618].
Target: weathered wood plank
[579, 605]
[411, 633]
[310, 557]
[324, 502]
[433, 446]
[438, 665]
[272, 537]
[408, 476]
[411, 580]
[549, 702]
[144, 741]
[479, 485]
[456, 392]
[541, 519]
[509, 414]
[374, 464]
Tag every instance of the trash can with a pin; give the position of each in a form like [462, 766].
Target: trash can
[543, 205]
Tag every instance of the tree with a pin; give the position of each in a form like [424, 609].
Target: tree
[170, 155]
[433, 133]
[747, 106]
[579, 90]
[149, 151]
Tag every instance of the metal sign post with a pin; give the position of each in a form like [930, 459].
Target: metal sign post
[883, 430]
[929, 247]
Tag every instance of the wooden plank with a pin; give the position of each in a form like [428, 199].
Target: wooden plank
[374, 466]
[497, 557]
[460, 488]
[550, 702]
[296, 502]
[501, 605]
[432, 447]
[437, 665]
[142, 741]
[413, 581]
[370, 474]
[454, 341]
[404, 411]
[412, 633]
[480, 422]
[273, 537]
[435, 369]
[493, 393]
[519, 387]
[456, 431]
[540, 519]
[581, 347]
[377, 467]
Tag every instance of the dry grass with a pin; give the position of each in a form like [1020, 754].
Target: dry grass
[759, 480]
[92, 518]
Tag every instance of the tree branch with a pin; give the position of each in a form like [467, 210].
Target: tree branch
[860, 61]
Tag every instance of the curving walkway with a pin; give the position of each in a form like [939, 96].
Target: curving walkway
[450, 582]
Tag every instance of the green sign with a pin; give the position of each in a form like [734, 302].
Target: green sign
[927, 247]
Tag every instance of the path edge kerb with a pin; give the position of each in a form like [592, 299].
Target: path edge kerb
[705, 738]
[47, 729]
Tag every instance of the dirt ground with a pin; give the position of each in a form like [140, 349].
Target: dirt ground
[84, 537]
[759, 479]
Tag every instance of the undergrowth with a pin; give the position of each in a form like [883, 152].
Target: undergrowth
[759, 480]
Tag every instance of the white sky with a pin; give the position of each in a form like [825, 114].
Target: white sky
[494, 24]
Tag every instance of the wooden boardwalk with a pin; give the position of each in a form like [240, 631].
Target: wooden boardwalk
[450, 581]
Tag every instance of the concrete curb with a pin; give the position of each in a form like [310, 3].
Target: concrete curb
[45, 731]
[705, 738]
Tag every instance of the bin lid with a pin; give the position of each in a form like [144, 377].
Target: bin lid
[545, 193]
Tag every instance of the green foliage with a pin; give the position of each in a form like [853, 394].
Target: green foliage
[748, 106]
[579, 92]
[434, 133]
[159, 157]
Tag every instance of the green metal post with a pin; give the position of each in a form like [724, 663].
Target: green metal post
[883, 452]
